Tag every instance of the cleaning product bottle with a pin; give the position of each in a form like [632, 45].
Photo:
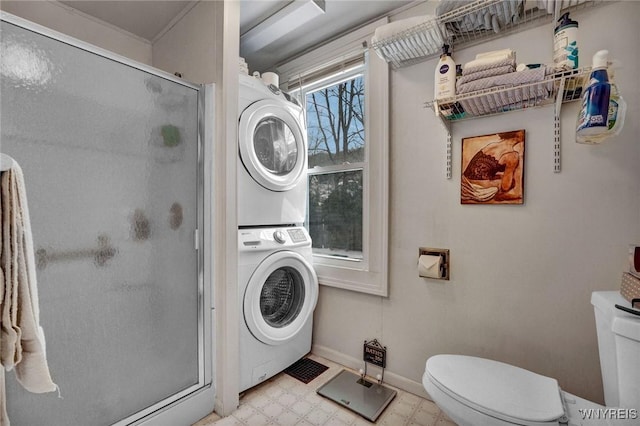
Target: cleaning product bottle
[445, 78]
[615, 114]
[617, 108]
[593, 115]
[565, 43]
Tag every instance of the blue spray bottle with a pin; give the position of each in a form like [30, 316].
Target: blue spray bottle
[593, 115]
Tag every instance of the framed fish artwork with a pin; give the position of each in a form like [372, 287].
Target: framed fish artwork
[493, 168]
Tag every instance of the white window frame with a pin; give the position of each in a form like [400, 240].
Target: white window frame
[370, 275]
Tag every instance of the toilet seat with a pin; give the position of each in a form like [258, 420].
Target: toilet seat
[495, 389]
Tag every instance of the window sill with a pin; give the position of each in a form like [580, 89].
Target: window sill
[354, 278]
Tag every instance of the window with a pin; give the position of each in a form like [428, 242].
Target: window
[344, 90]
[336, 137]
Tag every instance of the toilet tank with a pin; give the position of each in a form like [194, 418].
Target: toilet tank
[619, 348]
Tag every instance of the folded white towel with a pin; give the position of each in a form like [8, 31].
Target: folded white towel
[491, 58]
[483, 64]
[409, 38]
[497, 54]
[395, 28]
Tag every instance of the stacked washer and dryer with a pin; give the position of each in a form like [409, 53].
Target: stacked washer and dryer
[278, 288]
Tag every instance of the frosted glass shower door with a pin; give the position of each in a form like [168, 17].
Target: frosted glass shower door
[110, 155]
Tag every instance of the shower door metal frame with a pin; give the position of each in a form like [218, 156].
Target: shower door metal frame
[204, 390]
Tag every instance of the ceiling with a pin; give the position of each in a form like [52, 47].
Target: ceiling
[339, 16]
[148, 19]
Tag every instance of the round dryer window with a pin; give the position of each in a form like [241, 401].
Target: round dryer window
[280, 297]
[275, 146]
[272, 144]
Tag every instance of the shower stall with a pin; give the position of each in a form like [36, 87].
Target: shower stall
[113, 155]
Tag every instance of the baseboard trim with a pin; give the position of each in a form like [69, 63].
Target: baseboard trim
[390, 377]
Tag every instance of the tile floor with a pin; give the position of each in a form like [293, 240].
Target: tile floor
[285, 401]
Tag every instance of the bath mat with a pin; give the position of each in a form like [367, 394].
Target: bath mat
[305, 370]
[368, 399]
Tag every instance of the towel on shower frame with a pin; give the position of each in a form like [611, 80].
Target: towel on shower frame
[493, 17]
[22, 344]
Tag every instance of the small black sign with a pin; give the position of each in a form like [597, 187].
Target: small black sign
[375, 353]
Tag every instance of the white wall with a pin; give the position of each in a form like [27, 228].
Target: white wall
[74, 23]
[190, 47]
[521, 276]
[203, 46]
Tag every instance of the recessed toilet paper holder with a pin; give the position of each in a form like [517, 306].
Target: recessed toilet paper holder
[445, 267]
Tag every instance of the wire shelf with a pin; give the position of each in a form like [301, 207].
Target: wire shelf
[556, 89]
[499, 100]
[471, 24]
[412, 45]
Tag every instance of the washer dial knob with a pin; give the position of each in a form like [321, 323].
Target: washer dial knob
[279, 237]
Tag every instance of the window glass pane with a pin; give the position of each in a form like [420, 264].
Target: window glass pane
[275, 146]
[335, 123]
[335, 214]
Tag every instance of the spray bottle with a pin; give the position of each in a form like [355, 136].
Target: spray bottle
[593, 116]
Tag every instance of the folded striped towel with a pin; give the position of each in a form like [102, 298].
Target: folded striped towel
[491, 72]
[509, 79]
[493, 17]
[549, 5]
[527, 88]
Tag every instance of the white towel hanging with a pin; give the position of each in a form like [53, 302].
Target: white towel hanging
[6, 162]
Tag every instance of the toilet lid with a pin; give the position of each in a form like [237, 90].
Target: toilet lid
[497, 389]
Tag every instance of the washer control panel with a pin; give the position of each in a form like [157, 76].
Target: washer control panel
[297, 235]
[265, 238]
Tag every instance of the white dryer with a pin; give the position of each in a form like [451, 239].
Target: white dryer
[272, 157]
[278, 291]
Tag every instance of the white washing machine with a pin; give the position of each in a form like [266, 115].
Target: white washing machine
[272, 157]
[278, 291]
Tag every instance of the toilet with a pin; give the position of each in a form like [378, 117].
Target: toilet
[480, 392]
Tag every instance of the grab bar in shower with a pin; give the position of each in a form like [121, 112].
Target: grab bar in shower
[101, 255]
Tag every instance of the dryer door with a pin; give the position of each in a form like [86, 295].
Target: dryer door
[280, 297]
[273, 145]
